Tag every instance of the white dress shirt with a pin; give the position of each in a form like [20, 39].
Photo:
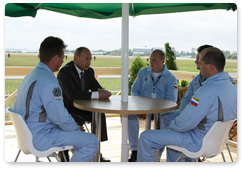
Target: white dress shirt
[94, 95]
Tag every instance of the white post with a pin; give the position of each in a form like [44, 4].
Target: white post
[124, 50]
[124, 78]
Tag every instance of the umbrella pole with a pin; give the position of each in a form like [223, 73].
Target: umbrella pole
[124, 78]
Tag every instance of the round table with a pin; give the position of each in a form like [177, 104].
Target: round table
[135, 105]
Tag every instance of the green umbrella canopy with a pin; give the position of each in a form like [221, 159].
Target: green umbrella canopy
[110, 10]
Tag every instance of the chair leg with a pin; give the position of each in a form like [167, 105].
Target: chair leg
[229, 153]
[178, 159]
[223, 156]
[17, 156]
[203, 159]
[48, 159]
[55, 155]
[65, 159]
[86, 127]
[36, 159]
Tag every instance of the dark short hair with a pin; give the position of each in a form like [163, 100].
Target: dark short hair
[79, 50]
[160, 53]
[50, 47]
[200, 48]
[216, 58]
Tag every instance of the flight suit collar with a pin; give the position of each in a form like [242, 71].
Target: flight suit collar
[42, 65]
[163, 73]
[217, 77]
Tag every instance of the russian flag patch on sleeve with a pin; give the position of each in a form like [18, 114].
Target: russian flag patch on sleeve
[194, 101]
[175, 86]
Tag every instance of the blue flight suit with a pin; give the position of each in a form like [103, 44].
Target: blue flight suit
[39, 101]
[165, 87]
[191, 125]
[195, 84]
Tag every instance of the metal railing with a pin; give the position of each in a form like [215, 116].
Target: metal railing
[11, 84]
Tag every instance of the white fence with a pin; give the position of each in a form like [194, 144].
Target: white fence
[12, 83]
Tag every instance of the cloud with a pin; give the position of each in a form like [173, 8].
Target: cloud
[183, 30]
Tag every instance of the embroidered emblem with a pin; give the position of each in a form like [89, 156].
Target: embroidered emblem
[145, 79]
[57, 93]
[163, 83]
[194, 101]
[175, 86]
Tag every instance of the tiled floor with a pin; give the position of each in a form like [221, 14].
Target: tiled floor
[110, 149]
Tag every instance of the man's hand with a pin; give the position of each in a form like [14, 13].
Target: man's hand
[82, 128]
[104, 94]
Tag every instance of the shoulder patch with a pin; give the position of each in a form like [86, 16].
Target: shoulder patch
[175, 86]
[194, 101]
[57, 93]
[232, 82]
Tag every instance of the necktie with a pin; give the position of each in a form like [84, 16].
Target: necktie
[82, 81]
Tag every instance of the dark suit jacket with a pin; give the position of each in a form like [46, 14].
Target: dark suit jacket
[70, 82]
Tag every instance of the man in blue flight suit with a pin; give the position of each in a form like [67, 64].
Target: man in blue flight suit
[192, 124]
[155, 81]
[39, 101]
[195, 84]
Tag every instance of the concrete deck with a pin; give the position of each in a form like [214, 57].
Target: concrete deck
[110, 149]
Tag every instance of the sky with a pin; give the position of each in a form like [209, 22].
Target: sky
[184, 31]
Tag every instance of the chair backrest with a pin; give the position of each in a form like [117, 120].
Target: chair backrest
[24, 136]
[214, 141]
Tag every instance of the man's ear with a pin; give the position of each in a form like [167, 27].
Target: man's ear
[75, 57]
[212, 68]
[163, 61]
[55, 58]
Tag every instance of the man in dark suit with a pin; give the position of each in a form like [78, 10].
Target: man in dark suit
[79, 83]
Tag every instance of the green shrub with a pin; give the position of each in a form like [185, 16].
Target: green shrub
[137, 64]
[184, 83]
[170, 58]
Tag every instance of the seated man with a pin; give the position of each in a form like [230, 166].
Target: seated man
[195, 84]
[78, 83]
[155, 81]
[39, 101]
[208, 105]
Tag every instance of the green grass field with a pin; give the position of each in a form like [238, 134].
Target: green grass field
[30, 60]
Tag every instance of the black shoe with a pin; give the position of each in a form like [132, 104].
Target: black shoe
[103, 159]
[133, 157]
[60, 155]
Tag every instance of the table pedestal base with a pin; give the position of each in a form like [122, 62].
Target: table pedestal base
[96, 127]
[124, 146]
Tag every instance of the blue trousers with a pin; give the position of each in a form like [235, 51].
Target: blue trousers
[133, 131]
[172, 155]
[85, 144]
[152, 140]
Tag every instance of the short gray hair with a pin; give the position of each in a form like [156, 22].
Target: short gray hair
[160, 53]
[79, 50]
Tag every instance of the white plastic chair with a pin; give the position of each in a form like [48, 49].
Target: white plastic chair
[24, 138]
[213, 142]
[227, 146]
